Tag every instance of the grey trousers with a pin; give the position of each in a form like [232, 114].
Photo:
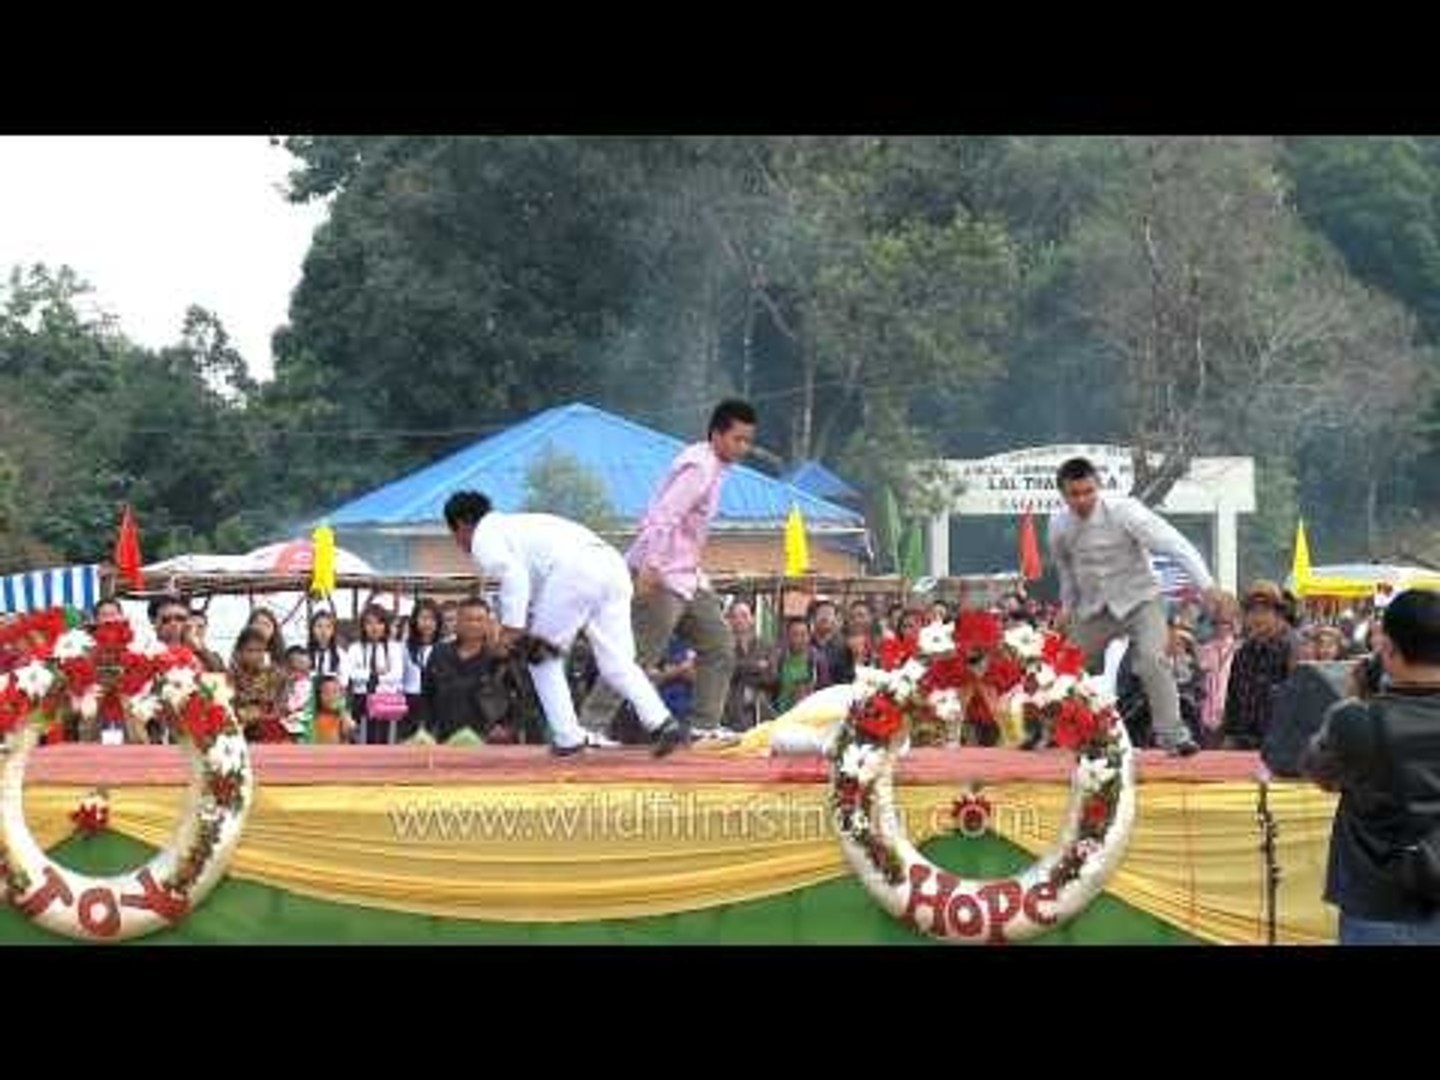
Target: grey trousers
[657, 617]
[1146, 628]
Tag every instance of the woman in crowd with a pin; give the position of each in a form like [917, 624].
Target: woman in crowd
[264, 620]
[377, 667]
[426, 623]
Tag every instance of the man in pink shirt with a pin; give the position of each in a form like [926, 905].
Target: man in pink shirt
[672, 596]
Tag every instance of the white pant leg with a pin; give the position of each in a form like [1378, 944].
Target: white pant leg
[612, 639]
[553, 691]
[566, 601]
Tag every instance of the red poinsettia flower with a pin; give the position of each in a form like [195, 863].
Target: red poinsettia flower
[178, 656]
[895, 651]
[971, 813]
[113, 636]
[948, 673]
[1003, 672]
[224, 788]
[112, 708]
[137, 676]
[202, 722]
[91, 816]
[1071, 660]
[977, 631]
[14, 708]
[1096, 810]
[1075, 725]
[881, 718]
[1050, 644]
[80, 674]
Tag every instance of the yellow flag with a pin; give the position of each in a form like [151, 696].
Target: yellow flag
[797, 554]
[1300, 571]
[322, 580]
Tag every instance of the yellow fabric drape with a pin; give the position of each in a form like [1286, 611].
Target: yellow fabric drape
[567, 852]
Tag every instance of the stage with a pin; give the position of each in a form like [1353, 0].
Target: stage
[509, 843]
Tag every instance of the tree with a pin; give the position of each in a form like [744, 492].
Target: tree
[559, 483]
[1218, 313]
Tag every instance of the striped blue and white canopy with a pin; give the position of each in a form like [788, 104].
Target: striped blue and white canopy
[36, 590]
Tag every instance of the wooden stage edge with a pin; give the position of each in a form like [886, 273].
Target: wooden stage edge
[112, 766]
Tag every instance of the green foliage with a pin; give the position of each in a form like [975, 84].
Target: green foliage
[1267, 537]
[559, 483]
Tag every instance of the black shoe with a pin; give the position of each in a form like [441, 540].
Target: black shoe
[566, 751]
[667, 737]
[1188, 748]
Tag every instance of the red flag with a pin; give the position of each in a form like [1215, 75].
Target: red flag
[127, 551]
[1030, 568]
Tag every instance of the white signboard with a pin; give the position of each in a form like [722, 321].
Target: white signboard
[1012, 483]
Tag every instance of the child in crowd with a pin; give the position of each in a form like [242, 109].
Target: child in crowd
[332, 723]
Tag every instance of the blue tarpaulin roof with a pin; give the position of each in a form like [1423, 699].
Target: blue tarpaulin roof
[815, 478]
[628, 458]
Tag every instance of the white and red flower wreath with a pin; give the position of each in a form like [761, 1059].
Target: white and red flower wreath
[1022, 687]
[54, 673]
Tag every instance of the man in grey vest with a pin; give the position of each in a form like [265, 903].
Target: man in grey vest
[1101, 549]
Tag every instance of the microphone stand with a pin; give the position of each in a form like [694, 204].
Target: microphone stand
[1268, 832]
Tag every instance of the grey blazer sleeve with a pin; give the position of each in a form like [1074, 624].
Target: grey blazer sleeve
[1157, 535]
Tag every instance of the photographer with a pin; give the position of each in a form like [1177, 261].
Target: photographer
[1383, 756]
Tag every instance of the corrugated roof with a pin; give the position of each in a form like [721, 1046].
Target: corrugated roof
[628, 458]
[815, 478]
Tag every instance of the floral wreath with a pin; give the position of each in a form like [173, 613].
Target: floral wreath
[982, 683]
[55, 673]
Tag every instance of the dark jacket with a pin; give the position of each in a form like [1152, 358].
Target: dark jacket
[478, 692]
[1381, 808]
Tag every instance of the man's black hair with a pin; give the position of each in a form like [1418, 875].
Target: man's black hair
[729, 413]
[160, 603]
[1076, 468]
[1412, 622]
[465, 508]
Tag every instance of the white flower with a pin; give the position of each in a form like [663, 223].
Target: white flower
[181, 677]
[144, 707]
[859, 822]
[851, 760]
[1092, 774]
[89, 705]
[72, 644]
[35, 680]
[227, 754]
[1044, 676]
[1094, 693]
[869, 768]
[1088, 848]
[1025, 640]
[936, 639]
[947, 704]
[1064, 685]
[904, 681]
[219, 688]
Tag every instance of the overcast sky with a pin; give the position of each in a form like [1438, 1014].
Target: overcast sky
[156, 223]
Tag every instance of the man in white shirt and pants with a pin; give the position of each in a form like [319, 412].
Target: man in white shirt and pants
[1101, 549]
[557, 578]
